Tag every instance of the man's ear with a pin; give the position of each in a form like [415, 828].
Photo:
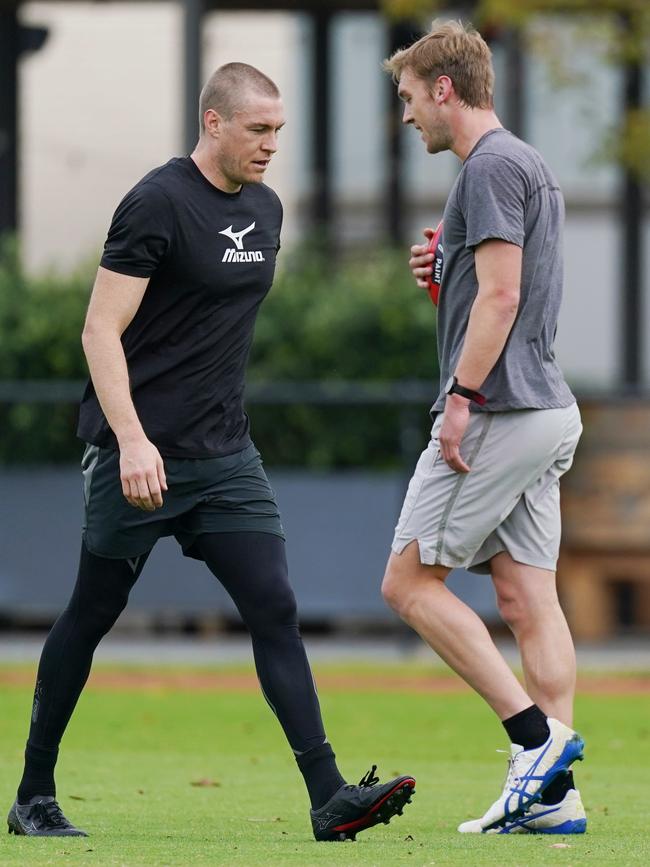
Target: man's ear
[443, 87]
[212, 121]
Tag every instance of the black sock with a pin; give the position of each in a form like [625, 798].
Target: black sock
[555, 793]
[528, 728]
[38, 778]
[322, 777]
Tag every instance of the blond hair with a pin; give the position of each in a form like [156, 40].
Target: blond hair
[454, 49]
[225, 90]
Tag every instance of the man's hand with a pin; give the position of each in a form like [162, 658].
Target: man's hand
[142, 474]
[454, 425]
[421, 259]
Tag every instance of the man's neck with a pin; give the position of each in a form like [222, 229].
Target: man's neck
[209, 168]
[472, 124]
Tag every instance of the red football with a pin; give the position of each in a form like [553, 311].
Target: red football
[435, 278]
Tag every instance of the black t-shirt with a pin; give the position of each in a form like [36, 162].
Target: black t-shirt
[210, 257]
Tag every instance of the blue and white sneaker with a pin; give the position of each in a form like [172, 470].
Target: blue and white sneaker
[530, 772]
[567, 817]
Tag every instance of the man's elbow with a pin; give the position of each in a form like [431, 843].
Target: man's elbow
[88, 335]
[95, 332]
[505, 301]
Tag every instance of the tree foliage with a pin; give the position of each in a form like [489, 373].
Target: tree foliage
[40, 329]
[363, 320]
[623, 38]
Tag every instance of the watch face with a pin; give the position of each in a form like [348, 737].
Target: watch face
[450, 384]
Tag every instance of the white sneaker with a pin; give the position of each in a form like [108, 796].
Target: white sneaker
[529, 773]
[567, 817]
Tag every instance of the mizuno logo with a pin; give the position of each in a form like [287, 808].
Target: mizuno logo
[237, 237]
[325, 821]
[238, 254]
[242, 255]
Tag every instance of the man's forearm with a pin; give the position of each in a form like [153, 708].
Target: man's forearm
[490, 323]
[110, 377]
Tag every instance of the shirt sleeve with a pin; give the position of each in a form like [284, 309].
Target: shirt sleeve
[493, 200]
[141, 232]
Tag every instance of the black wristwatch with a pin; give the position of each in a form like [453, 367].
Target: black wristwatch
[453, 387]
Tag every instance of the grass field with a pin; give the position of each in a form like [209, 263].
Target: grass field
[131, 757]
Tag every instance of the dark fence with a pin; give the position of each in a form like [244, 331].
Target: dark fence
[339, 524]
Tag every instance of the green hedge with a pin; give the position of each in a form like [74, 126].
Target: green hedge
[359, 320]
[40, 338]
[363, 320]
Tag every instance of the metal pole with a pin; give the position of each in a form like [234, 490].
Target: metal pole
[632, 222]
[515, 83]
[321, 102]
[399, 34]
[9, 50]
[193, 11]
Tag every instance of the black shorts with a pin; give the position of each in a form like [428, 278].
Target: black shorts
[209, 495]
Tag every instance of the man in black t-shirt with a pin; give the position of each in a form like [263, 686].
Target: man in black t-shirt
[189, 257]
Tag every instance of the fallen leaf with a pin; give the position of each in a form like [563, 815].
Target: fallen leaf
[205, 782]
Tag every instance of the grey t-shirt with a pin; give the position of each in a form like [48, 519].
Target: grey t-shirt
[506, 191]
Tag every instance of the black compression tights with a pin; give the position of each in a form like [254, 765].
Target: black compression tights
[252, 567]
[99, 597]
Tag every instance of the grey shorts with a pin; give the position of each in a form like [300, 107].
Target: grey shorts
[510, 499]
[209, 495]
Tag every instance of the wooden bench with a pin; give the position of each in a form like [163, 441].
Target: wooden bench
[606, 520]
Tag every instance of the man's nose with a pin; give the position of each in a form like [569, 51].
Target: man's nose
[270, 143]
[407, 117]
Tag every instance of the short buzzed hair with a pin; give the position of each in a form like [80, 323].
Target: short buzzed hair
[224, 90]
[454, 49]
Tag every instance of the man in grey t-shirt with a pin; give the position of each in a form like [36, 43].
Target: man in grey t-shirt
[505, 192]
[485, 492]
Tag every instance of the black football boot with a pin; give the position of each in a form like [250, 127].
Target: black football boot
[354, 808]
[42, 817]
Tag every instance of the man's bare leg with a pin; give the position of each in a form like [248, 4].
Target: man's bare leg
[528, 603]
[456, 633]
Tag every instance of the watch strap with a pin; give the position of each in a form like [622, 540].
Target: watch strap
[469, 393]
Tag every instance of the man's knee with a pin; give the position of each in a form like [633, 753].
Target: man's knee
[101, 593]
[276, 610]
[405, 577]
[525, 604]
[512, 609]
[97, 614]
[282, 608]
[393, 590]
[523, 612]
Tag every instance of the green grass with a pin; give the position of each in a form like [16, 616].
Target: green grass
[128, 761]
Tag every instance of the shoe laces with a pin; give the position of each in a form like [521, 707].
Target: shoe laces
[369, 779]
[512, 777]
[51, 814]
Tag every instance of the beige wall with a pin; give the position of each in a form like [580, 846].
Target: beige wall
[101, 105]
